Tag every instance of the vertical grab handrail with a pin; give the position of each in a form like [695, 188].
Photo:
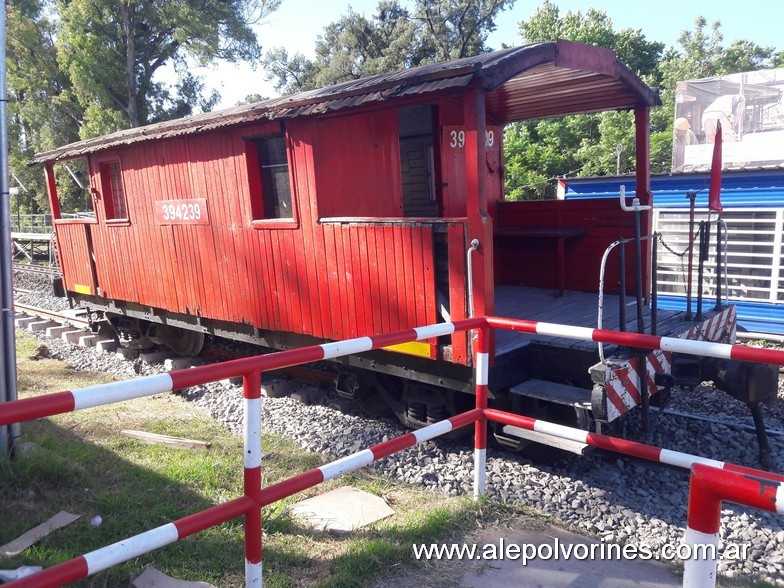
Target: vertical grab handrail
[602, 269]
[721, 224]
[470, 270]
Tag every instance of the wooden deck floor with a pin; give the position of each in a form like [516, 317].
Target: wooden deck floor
[574, 308]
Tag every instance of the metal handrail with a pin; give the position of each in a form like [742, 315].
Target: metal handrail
[255, 497]
[601, 281]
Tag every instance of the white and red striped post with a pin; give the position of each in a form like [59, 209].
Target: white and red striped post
[708, 488]
[675, 345]
[131, 547]
[482, 363]
[251, 392]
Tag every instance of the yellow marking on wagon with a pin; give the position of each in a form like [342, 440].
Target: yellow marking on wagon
[413, 348]
[82, 289]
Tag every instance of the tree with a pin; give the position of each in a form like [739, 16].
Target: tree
[392, 38]
[702, 55]
[583, 144]
[453, 29]
[112, 50]
[607, 145]
[43, 112]
[593, 27]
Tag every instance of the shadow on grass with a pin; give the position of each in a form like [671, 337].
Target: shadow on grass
[81, 477]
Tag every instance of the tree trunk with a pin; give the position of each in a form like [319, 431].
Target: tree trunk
[132, 108]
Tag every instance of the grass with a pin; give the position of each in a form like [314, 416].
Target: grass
[82, 464]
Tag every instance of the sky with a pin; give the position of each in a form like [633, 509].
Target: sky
[297, 23]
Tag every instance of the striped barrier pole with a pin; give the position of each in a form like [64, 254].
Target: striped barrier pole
[708, 488]
[251, 392]
[482, 363]
[127, 549]
[632, 448]
[365, 457]
[672, 344]
[61, 402]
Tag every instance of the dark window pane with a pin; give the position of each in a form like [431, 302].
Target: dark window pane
[118, 198]
[275, 184]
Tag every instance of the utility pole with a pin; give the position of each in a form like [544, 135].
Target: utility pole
[8, 392]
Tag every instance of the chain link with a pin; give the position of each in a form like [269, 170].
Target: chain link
[681, 256]
[671, 250]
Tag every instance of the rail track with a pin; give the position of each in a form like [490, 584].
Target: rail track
[212, 353]
[36, 269]
[216, 352]
[606, 491]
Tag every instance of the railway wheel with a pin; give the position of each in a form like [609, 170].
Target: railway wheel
[185, 343]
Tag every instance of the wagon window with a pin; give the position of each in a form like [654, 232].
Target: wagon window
[112, 189]
[273, 165]
[72, 185]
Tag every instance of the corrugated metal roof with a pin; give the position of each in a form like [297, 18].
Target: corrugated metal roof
[760, 188]
[533, 81]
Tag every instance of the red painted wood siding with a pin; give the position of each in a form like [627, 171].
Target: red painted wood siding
[531, 261]
[329, 280]
[357, 166]
[74, 255]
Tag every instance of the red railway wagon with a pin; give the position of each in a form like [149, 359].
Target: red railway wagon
[352, 210]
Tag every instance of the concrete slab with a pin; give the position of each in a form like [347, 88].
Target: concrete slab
[73, 335]
[87, 340]
[177, 363]
[606, 569]
[40, 325]
[56, 332]
[126, 353]
[106, 345]
[21, 323]
[153, 356]
[342, 510]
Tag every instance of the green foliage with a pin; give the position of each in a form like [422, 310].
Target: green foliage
[392, 38]
[42, 110]
[81, 68]
[593, 27]
[536, 158]
[112, 51]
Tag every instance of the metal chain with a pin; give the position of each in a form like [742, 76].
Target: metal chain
[671, 250]
[681, 256]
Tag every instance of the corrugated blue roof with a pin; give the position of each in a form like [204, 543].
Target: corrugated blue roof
[739, 189]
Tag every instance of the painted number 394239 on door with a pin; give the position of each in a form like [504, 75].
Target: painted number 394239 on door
[192, 211]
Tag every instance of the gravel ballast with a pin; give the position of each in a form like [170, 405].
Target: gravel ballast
[613, 499]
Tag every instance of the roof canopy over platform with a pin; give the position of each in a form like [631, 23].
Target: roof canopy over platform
[521, 83]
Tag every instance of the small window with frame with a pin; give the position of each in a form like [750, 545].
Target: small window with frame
[69, 186]
[113, 192]
[268, 167]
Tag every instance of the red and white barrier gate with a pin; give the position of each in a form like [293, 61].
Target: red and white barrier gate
[256, 497]
[708, 488]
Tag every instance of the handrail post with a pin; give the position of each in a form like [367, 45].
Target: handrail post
[654, 283]
[251, 392]
[692, 196]
[703, 256]
[622, 287]
[719, 224]
[480, 427]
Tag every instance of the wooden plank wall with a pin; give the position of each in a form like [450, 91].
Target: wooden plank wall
[74, 255]
[358, 164]
[531, 261]
[329, 280]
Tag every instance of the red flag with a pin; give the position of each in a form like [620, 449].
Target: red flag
[714, 196]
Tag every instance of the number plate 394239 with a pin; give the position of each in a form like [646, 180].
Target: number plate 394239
[191, 211]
